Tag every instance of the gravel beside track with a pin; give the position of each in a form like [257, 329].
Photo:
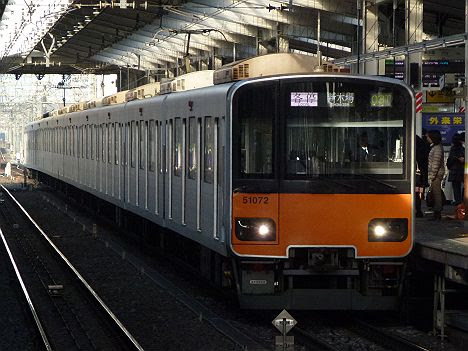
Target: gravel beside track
[158, 321]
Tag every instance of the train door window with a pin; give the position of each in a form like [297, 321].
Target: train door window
[116, 143]
[132, 144]
[177, 147]
[208, 150]
[141, 145]
[192, 149]
[151, 146]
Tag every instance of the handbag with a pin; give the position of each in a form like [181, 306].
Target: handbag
[430, 199]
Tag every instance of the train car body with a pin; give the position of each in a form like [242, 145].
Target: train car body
[302, 182]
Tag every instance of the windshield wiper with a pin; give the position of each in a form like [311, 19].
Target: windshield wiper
[378, 181]
[349, 186]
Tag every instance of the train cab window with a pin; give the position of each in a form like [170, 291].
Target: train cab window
[133, 139]
[151, 146]
[178, 147]
[255, 110]
[141, 145]
[208, 150]
[192, 149]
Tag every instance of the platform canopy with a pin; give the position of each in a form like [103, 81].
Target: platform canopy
[89, 36]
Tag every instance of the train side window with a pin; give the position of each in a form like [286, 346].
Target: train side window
[67, 140]
[116, 143]
[87, 141]
[102, 142]
[178, 147]
[161, 147]
[151, 146]
[132, 144]
[79, 142]
[96, 142]
[192, 149]
[92, 134]
[208, 150]
[141, 145]
[110, 142]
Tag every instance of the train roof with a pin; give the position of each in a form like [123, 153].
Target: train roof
[259, 66]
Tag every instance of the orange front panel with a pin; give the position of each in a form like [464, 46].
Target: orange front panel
[327, 220]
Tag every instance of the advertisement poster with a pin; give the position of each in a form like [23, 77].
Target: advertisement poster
[447, 123]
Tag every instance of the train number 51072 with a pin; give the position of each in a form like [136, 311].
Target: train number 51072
[255, 200]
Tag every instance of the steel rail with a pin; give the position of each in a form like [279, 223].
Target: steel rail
[37, 320]
[313, 341]
[113, 317]
[383, 337]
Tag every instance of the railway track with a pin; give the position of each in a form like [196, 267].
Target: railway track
[68, 313]
[204, 313]
[348, 336]
[389, 340]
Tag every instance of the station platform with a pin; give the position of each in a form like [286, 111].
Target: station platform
[444, 241]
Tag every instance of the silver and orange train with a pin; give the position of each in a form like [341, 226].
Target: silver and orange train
[297, 177]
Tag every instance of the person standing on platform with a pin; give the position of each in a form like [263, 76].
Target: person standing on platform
[455, 165]
[422, 153]
[436, 170]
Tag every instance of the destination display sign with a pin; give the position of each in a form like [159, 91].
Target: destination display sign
[381, 100]
[304, 99]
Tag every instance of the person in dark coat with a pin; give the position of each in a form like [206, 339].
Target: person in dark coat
[455, 165]
[436, 170]
[421, 182]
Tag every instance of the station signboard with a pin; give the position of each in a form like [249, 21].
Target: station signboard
[448, 124]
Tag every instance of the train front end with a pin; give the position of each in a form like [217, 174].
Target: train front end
[322, 198]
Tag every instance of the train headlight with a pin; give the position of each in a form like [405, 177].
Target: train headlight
[388, 229]
[255, 229]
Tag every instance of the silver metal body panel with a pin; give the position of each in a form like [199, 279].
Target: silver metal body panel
[191, 207]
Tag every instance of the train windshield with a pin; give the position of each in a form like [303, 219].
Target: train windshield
[322, 135]
[344, 128]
